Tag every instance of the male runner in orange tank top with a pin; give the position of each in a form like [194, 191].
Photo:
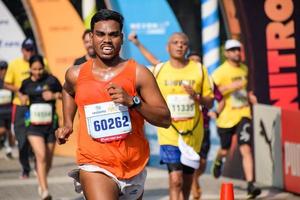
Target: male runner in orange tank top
[113, 97]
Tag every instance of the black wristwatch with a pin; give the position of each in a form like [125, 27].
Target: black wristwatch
[136, 102]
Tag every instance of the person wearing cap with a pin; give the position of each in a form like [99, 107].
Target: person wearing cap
[18, 70]
[5, 113]
[86, 38]
[231, 79]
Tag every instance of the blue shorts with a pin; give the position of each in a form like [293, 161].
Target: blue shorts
[169, 154]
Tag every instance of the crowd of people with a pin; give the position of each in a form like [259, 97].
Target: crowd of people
[28, 113]
[114, 96]
[232, 114]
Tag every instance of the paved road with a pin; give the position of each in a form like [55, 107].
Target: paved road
[61, 186]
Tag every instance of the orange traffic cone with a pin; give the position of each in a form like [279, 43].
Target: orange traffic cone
[227, 191]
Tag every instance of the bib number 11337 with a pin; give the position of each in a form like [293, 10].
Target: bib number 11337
[107, 121]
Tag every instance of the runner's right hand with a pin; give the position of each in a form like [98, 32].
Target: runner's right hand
[48, 95]
[118, 94]
[62, 134]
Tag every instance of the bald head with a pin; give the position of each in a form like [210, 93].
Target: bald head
[178, 45]
[179, 34]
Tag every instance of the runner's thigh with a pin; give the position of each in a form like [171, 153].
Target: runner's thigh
[97, 186]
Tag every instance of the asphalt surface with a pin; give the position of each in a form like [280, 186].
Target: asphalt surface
[156, 188]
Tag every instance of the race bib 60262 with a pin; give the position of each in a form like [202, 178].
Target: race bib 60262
[107, 121]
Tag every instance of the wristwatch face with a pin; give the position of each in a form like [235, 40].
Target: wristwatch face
[136, 100]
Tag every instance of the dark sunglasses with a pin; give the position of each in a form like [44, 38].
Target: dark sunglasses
[234, 49]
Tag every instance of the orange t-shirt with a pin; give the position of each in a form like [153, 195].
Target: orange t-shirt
[124, 158]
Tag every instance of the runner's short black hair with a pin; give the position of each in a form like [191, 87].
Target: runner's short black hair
[105, 14]
[3, 64]
[194, 53]
[37, 58]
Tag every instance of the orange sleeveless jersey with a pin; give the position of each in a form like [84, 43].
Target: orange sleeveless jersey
[124, 158]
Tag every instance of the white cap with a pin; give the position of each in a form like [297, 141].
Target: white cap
[232, 44]
[189, 156]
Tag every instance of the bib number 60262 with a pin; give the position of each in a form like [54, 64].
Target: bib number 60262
[111, 123]
[107, 121]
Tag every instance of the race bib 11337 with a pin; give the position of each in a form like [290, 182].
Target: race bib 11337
[181, 106]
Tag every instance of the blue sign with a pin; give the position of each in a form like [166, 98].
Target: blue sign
[153, 21]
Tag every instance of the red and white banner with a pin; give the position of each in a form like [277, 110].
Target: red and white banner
[271, 30]
[291, 149]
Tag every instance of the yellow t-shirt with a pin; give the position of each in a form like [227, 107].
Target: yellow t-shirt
[18, 70]
[236, 102]
[185, 111]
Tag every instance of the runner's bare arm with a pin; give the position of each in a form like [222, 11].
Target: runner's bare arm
[221, 106]
[69, 88]
[10, 87]
[69, 105]
[207, 101]
[215, 114]
[146, 53]
[23, 98]
[234, 86]
[153, 107]
[252, 97]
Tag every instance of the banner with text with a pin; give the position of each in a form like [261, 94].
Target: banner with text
[271, 32]
[291, 149]
[58, 29]
[11, 35]
[153, 21]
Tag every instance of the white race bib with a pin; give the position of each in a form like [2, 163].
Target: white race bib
[107, 121]
[40, 113]
[239, 99]
[5, 96]
[181, 106]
